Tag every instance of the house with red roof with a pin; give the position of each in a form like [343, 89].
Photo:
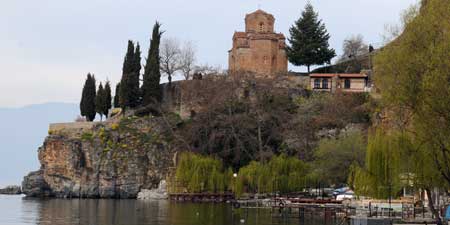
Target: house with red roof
[346, 82]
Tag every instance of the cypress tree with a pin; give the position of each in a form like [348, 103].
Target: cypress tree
[108, 99]
[135, 91]
[100, 101]
[309, 41]
[151, 90]
[117, 96]
[87, 104]
[127, 83]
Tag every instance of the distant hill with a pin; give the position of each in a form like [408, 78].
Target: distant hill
[22, 131]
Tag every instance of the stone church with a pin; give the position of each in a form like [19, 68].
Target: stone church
[259, 49]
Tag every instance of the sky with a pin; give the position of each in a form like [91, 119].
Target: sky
[48, 46]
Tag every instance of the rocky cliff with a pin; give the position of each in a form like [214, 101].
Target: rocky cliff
[115, 159]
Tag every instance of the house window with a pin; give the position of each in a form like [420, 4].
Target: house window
[325, 83]
[347, 83]
[317, 83]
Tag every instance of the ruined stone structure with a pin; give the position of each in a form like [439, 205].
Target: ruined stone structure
[259, 49]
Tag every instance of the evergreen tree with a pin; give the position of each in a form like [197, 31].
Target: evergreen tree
[108, 99]
[309, 41]
[151, 90]
[135, 90]
[100, 101]
[117, 96]
[128, 96]
[87, 104]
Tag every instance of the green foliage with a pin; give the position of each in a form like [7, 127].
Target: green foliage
[271, 121]
[87, 136]
[309, 41]
[117, 96]
[108, 99]
[100, 100]
[151, 90]
[413, 75]
[87, 104]
[135, 76]
[129, 88]
[281, 174]
[381, 176]
[346, 151]
[201, 174]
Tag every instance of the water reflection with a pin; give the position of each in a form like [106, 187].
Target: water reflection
[19, 211]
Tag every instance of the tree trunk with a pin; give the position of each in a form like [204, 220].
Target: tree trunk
[260, 141]
[309, 71]
[433, 210]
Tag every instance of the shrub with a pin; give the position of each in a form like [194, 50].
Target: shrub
[281, 174]
[115, 126]
[87, 136]
[200, 174]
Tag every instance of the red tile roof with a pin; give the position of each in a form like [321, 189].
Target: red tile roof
[355, 75]
[344, 75]
[322, 75]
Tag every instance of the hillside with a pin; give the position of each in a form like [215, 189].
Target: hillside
[252, 120]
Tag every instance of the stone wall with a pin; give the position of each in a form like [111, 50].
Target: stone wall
[56, 127]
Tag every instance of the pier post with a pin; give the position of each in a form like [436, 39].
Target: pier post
[402, 210]
[423, 210]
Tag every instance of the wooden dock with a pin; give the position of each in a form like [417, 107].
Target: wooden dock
[201, 197]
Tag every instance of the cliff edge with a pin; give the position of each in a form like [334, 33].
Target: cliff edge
[114, 159]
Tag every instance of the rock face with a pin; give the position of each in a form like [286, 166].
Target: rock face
[110, 160]
[154, 194]
[34, 185]
[11, 190]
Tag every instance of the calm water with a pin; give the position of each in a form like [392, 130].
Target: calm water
[15, 210]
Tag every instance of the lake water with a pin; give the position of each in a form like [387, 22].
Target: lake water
[16, 210]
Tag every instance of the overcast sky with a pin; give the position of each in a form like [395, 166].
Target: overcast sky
[48, 46]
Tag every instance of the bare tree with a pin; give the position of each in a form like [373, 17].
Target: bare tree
[206, 70]
[354, 46]
[392, 31]
[187, 59]
[169, 53]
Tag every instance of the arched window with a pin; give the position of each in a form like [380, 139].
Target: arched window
[261, 27]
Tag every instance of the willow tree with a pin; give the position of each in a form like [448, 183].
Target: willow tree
[395, 161]
[380, 178]
[281, 174]
[413, 75]
[200, 174]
